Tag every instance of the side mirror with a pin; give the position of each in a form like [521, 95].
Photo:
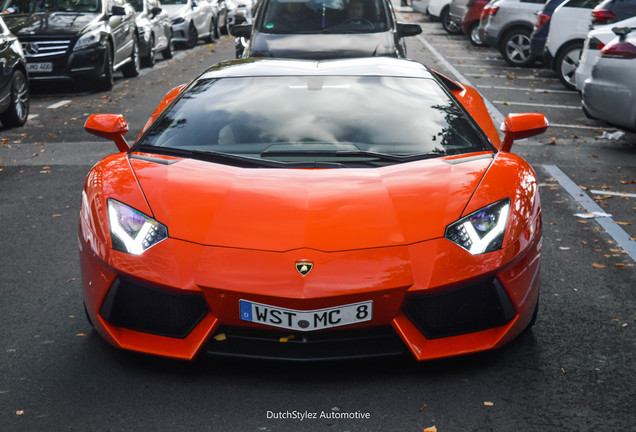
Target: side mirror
[118, 10]
[520, 126]
[155, 11]
[405, 30]
[110, 126]
[242, 30]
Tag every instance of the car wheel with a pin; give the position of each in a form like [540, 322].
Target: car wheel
[217, 33]
[168, 52]
[449, 25]
[106, 82]
[567, 62]
[132, 68]
[515, 47]
[473, 34]
[193, 36]
[149, 60]
[18, 111]
[210, 37]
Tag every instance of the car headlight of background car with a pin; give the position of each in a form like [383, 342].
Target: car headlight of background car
[178, 20]
[91, 38]
[132, 231]
[481, 231]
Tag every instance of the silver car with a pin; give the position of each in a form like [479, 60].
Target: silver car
[191, 20]
[507, 26]
[456, 11]
[609, 94]
[154, 30]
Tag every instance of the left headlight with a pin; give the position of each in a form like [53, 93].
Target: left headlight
[88, 39]
[132, 231]
[482, 231]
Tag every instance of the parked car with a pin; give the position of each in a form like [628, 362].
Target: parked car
[454, 16]
[420, 6]
[220, 12]
[357, 28]
[611, 11]
[14, 81]
[542, 27]
[246, 179]
[470, 20]
[609, 94]
[154, 30]
[191, 20]
[238, 12]
[507, 26]
[75, 41]
[569, 26]
[596, 40]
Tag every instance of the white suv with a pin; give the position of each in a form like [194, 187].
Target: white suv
[569, 26]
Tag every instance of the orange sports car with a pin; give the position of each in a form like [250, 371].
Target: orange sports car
[305, 210]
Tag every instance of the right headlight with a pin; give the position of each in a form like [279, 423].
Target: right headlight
[132, 231]
[481, 231]
[93, 37]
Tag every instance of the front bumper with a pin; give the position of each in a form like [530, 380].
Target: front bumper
[77, 65]
[180, 32]
[432, 298]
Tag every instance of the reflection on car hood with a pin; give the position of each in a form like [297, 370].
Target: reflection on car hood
[324, 46]
[324, 209]
[54, 23]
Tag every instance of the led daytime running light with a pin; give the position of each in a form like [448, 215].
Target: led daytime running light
[132, 231]
[483, 230]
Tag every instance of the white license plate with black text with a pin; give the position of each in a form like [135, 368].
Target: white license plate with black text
[301, 320]
[40, 67]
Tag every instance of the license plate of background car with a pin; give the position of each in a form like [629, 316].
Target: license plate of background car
[40, 67]
[302, 320]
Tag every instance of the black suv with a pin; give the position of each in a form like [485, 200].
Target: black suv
[323, 29]
[75, 39]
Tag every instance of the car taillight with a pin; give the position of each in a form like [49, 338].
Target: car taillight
[619, 50]
[489, 10]
[595, 44]
[602, 16]
[542, 20]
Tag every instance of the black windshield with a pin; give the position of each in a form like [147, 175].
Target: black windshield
[380, 120]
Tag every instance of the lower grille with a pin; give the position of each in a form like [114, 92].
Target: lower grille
[306, 346]
[149, 310]
[468, 309]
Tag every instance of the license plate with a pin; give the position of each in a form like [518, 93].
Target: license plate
[302, 320]
[40, 67]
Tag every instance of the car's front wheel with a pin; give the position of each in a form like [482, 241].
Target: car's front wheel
[18, 111]
[449, 25]
[149, 60]
[168, 51]
[515, 48]
[473, 34]
[132, 68]
[567, 62]
[210, 37]
[193, 36]
[106, 81]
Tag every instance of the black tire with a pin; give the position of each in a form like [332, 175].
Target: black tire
[149, 60]
[515, 47]
[168, 51]
[18, 112]
[210, 38]
[473, 34]
[193, 37]
[566, 63]
[132, 68]
[449, 25]
[106, 82]
[217, 32]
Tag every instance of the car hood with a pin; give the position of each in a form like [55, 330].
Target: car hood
[323, 209]
[53, 23]
[176, 10]
[323, 46]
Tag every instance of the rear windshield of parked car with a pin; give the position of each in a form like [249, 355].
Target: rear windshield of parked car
[324, 16]
[258, 116]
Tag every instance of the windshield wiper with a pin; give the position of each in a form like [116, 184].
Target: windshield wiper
[389, 157]
[234, 160]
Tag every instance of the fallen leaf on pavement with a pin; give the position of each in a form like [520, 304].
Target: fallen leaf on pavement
[599, 265]
[430, 429]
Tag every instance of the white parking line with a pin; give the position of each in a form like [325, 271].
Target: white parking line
[514, 77]
[59, 104]
[569, 126]
[612, 228]
[538, 105]
[618, 194]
